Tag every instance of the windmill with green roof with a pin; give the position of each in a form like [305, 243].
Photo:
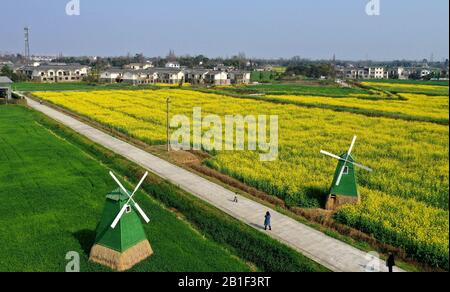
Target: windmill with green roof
[344, 189]
[121, 241]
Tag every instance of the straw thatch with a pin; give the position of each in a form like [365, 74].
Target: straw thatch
[121, 261]
[334, 202]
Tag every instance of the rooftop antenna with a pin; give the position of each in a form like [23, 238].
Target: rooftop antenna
[27, 44]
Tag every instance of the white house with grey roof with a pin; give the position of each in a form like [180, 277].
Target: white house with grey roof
[138, 66]
[217, 78]
[195, 76]
[239, 77]
[5, 87]
[56, 72]
[112, 75]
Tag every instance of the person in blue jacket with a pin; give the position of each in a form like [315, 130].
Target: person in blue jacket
[267, 222]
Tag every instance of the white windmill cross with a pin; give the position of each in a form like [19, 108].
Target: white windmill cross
[346, 160]
[124, 208]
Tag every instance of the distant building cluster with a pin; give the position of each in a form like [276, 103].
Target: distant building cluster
[401, 73]
[135, 74]
[54, 72]
[169, 71]
[173, 73]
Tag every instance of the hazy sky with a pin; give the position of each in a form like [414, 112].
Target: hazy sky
[406, 29]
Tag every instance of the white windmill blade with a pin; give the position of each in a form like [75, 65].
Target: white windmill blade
[118, 182]
[331, 155]
[144, 216]
[117, 219]
[352, 145]
[141, 212]
[361, 166]
[139, 184]
[338, 182]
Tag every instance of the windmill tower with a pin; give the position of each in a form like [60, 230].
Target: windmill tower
[121, 242]
[344, 189]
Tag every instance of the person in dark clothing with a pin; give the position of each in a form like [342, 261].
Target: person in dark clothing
[267, 221]
[390, 263]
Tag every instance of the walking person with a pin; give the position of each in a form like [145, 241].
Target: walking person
[390, 263]
[267, 221]
[235, 199]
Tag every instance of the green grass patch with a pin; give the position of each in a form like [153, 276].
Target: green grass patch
[53, 194]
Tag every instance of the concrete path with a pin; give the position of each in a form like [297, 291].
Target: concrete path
[329, 252]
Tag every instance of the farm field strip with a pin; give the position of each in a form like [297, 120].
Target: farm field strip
[414, 153]
[414, 107]
[293, 89]
[410, 88]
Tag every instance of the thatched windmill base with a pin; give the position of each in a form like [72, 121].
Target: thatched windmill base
[121, 261]
[334, 202]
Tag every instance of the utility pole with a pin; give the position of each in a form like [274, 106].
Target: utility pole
[168, 125]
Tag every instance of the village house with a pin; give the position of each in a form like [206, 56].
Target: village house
[217, 78]
[138, 66]
[170, 75]
[424, 73]
[195, 76]
[173, 65]
[55, 72]
[399, 73]
[366, 73]
[5, 87]
[239, 77]
[378, 73]
[112, 76]
[140, 77]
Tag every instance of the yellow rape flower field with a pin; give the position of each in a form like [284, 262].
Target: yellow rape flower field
[415, 106]
[409, 88]
[405, 201]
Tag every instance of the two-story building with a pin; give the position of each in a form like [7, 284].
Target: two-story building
[217, 78]
[55, 72]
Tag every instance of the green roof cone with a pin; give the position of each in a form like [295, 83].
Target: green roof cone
[349, 185]
[128, 232]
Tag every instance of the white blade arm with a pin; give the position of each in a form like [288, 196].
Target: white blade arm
[118, 182]
[338, 182]
[142, 213]
[361, 166]
[331, 155]
[116, 220]
[139, 184]
[351, 146]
